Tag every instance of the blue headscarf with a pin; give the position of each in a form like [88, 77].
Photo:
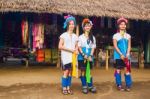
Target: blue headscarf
[68, 19]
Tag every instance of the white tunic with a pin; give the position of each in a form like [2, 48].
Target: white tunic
[70, 42]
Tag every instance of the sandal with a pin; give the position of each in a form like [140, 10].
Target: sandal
[85, 89]
[65, 92]
[120, 88]
[127, 89]
[92, 89]
[70, 91]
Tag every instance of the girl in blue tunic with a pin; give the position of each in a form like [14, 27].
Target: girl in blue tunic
[122, 47]
[87, 45]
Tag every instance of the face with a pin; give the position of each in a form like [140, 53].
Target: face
[87, 27]
[122, 26]
[71, 26]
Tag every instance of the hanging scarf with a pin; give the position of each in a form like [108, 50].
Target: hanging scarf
[74, 65]
[128, 64]
[24, 27]
[88, 72]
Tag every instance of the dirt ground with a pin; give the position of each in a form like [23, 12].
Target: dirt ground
[44, 83]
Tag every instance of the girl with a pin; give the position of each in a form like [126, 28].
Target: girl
[68, 46]
[122, 47]
[87, 45]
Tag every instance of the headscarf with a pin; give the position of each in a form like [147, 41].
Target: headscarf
[68, 19]
[86, 20]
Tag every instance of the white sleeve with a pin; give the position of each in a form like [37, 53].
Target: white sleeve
[115, 36]
[128, 36]
[94, 42]
[62, 36]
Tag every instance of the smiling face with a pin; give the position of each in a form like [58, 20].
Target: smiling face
[122, 26]
[71, 26]
[87, 27]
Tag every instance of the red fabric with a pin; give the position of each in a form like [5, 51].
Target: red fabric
[40, 55]
[128, 64]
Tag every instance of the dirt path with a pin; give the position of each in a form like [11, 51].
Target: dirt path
[44, 83]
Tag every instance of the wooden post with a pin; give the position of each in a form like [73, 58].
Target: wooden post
[107, 57]
[141, 60]
[27, 63]
[58, 60]
[96, 58]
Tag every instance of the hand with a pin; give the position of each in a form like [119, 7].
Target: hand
[90, 58]
[127, 55]
[122, 57]
[85, 57]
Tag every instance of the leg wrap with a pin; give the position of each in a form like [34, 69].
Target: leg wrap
[91, 83]
[128, 80]
[83, 80]
[64, 82]
[69, 79]
[118, 78]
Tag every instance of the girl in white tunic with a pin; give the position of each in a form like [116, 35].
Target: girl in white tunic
[68, 46]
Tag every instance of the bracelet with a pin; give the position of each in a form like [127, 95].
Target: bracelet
[82, 54]
[121, 54]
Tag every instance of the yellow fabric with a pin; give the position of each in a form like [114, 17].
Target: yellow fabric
[47, 55]
[74, 66]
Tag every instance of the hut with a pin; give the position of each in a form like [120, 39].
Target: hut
[138, 11]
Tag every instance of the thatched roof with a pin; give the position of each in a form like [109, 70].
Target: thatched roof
[133, 9]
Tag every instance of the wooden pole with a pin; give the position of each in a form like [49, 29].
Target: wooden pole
[141, 59]
[107, 57]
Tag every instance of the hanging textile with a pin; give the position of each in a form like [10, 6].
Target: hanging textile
[147, 53]
[24, 27]
[30, 36]
[47, 35]
[55, 23]
[109, 23]
[47, 55]
[1, 35]
[34, 33]
[102, 22]
[40, 55]
[38, 36]
[13, 26]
